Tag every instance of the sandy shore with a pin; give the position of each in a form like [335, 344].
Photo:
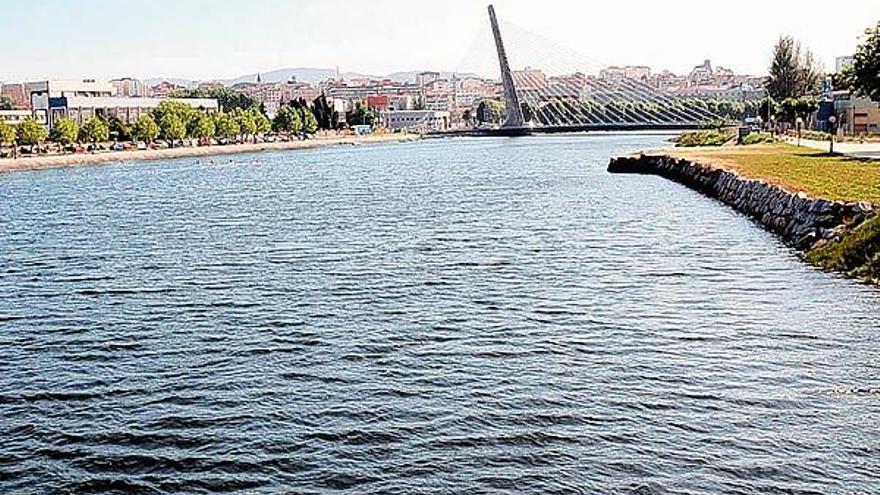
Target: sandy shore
[57, 161]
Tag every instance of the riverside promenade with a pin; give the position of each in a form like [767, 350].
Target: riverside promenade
[71, 160]
[869, 151]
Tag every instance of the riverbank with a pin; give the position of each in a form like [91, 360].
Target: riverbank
[72, 160]
[826, 207]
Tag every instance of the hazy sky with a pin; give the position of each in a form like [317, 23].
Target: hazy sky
[206, 39]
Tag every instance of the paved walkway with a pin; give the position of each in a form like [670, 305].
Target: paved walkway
[858, 150]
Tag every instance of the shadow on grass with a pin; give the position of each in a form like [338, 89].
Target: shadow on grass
[824, 155]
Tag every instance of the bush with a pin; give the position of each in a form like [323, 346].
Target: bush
[810, 134]
[858, 252]
[703, 138]
[758, 138]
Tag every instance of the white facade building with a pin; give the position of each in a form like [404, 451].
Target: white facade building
[131, 88]
[82, 100]
[128, 110]
[417, 120]
[14, 117]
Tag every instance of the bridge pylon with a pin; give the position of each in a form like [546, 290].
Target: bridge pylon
[514, 121]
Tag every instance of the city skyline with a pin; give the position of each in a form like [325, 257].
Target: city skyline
[227, 39]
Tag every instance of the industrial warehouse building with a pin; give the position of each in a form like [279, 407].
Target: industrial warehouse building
[82, 100]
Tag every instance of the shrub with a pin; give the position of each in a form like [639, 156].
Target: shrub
[758, 138]
[703, 138]
[859, 251]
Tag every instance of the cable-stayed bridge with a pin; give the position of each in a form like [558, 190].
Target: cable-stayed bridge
[561, 91]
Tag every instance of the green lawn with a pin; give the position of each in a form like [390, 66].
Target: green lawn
[796, 169]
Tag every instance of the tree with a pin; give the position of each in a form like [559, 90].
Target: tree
[201, 127]
[287, 120]
[172, 128]
[325, 114]
[811, 74]
[794, 71]
[225, 126]
[360, 115]
[64, 132]
[866, 65]
[182, 111]
[146, 129]
[246, 124]
[844, 79]
[7, 133]
[94, 130]
[793, 108]
[264, 125]
[763, 111]
[783, 80]
[491, 111]
[310, 123]
[6, 103]
[119, 130]
[228, 98]
[30, 132]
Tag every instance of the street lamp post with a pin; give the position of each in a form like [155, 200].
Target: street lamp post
[833, 121]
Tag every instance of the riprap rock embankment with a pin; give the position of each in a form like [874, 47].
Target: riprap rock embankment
[801, 221]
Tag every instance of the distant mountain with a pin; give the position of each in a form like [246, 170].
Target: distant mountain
[305, 74]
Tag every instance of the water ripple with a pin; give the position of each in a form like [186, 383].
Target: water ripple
[461, 316]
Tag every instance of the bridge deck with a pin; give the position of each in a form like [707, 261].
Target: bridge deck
[527, 131]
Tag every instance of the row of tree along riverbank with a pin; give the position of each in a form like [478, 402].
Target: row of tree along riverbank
[173, 121]
[839, 232]
[75, 159]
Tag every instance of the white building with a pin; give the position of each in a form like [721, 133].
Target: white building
[702, 74]
[52, 100]
[417, 120]
[425, 78]
[629, 72]
[14, 117]
[131, 88]
[128, 110]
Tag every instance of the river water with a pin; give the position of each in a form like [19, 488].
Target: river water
[450, 316]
